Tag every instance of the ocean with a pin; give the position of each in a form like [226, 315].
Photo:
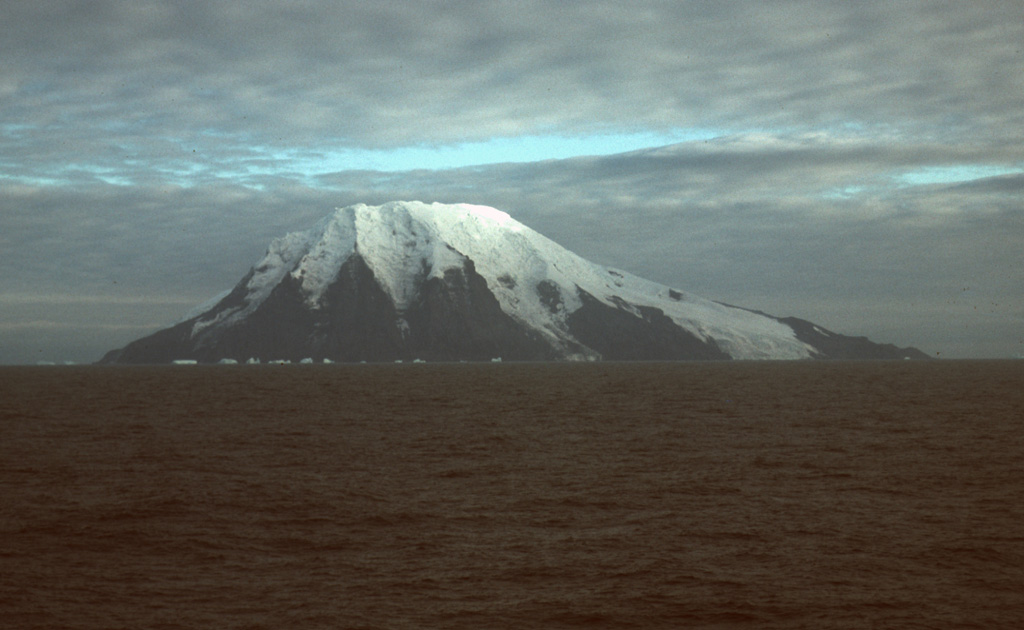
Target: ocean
[609, 495]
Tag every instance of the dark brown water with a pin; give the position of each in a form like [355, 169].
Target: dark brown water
[724, 495]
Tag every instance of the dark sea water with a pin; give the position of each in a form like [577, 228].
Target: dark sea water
[713, 495]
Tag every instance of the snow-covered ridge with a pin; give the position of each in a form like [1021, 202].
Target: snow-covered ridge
[402, 242]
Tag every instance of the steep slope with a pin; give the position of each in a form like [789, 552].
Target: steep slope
[408, 280]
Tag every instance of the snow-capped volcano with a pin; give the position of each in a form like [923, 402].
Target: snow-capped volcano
[409, 280]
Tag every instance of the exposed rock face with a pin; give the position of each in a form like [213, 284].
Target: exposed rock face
[408, 281]
[647, 335]
[451, 319]
[830, 345]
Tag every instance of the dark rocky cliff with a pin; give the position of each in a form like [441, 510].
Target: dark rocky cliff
[451, 319]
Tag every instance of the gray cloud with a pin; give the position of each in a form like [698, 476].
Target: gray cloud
[130, 75]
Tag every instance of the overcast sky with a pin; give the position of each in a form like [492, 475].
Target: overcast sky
[857, 164]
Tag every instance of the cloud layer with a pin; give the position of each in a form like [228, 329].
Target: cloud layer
[859, 163]
[136, 89]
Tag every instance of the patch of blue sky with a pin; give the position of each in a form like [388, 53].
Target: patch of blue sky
[65, 174]
[33, 180]
[14, 130]
[846, 192]
[494, 151]
[114, 180]
[925, 176]
[954, 174]
[106, 174]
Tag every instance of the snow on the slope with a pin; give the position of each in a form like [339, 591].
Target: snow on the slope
[196, 311]
[328, 246]
[281, 257]
[401, 248]
[397, 248]
[403, 241]
[514, 259]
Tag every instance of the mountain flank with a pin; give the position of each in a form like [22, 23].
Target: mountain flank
[409, 281]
